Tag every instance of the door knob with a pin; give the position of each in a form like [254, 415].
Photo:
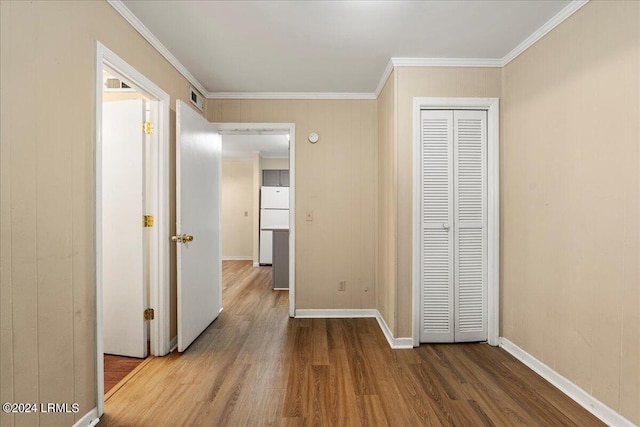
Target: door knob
[182, 238]
[445, 226]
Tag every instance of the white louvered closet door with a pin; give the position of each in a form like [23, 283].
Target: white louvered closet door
[470, 225]
[437, 322]
[453, 233]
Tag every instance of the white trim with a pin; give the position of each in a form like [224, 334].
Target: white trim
[292, 220]
[159, 253]
[280, 289]
[447, 62]
[385, 76]
[173, 344]
[335, 313]
[157, 45]
[492, 106]
[237, 258]
[291, 95]
[580, 396]
[395, 343]
[556, 20]
[288, 129]
[89, 419]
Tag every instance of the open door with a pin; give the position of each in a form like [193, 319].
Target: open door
[123, 245]
[198, 213]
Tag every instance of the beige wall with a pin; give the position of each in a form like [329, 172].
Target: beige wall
[47, 264]
[336, 180]
[386, 207]
[570, 197]
[121, 96]
[270, 164]
[423, 82]
[237, 199]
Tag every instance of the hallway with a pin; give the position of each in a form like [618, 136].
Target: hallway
[255, 366]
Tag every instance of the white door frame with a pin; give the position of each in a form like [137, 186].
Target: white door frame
[252, 128]
[159, 234]
[492, 107]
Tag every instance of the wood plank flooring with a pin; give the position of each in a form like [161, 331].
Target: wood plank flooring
[254, 366]
[116, 368]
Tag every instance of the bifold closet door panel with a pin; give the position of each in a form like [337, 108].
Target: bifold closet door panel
[470, 230]
[437, 246]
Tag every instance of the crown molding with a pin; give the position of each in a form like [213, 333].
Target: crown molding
[556, 20]
[447, 62]
[290, 95]
[153, 40]
[385, 75]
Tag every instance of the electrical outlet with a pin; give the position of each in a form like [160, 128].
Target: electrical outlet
[342, 285]
[309, 216]
[366, 289]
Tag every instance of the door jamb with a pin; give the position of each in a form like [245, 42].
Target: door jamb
[159, 252]
[492, 107]
[248, 128]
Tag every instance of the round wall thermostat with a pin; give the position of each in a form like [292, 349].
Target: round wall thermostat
[313, 137]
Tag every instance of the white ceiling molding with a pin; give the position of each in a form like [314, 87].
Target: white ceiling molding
[153, 40]
[569, 10]
[446, 62]
[556, 20]
[385, 75]
[290, 95]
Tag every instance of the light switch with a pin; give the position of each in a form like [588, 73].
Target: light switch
[309, 216]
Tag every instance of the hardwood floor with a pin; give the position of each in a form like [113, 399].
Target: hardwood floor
[254, 366]
[116, 368]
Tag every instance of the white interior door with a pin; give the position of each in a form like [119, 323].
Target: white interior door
[198, 213]
[123, 249]
[453, 266]
[436, 276]
[470, 153]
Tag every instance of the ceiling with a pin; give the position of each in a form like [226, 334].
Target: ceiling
[331, 46]
[237, 147]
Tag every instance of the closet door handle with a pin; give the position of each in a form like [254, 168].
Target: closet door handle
[446, 226]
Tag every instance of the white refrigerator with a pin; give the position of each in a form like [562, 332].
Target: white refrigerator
[274, 213]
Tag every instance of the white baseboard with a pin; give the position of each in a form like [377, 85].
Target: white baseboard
[256, 264]
[173, 344]
[237, 258]
[584, 399]
[312, 313]
[280, 289]
[89, 419]
[397, 343]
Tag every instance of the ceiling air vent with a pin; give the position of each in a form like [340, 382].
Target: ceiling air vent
[196, 99]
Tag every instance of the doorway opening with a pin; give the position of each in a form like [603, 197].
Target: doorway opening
[258, 202]
[132, 268]
[126, 195]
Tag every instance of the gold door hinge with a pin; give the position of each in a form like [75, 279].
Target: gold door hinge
[147, 221]
[149, 314]
[147, 127]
